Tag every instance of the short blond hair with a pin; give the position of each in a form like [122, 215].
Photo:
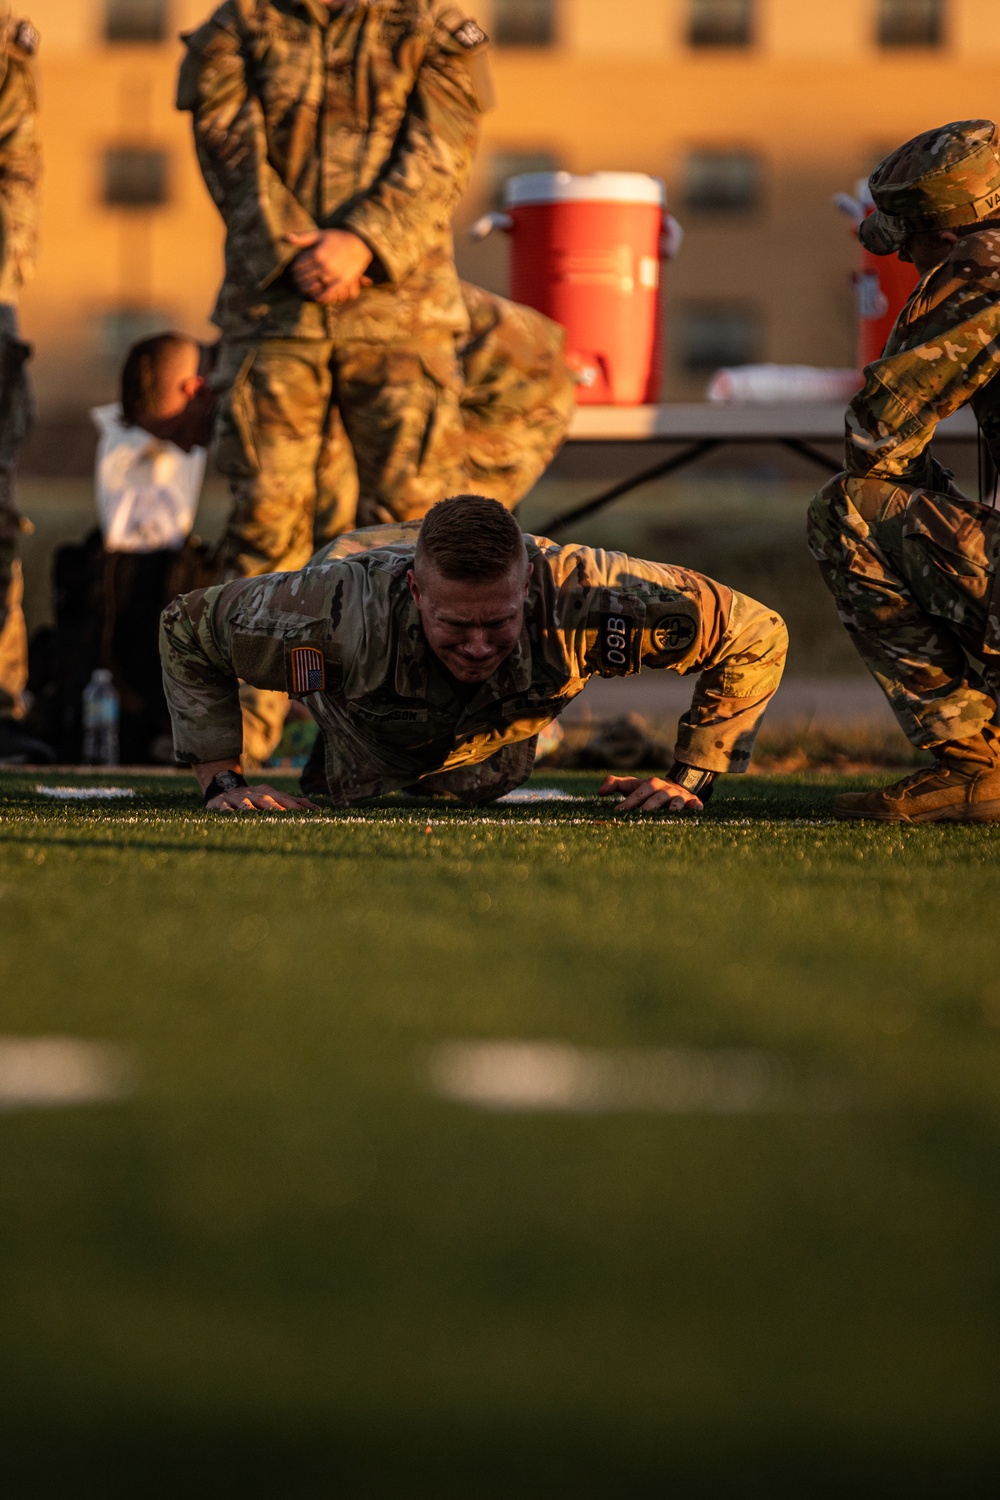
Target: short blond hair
[470, 539]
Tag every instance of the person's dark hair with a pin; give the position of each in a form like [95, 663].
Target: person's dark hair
[143, 373]
[470, 539]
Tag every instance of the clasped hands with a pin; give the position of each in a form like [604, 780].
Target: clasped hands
[330, 265]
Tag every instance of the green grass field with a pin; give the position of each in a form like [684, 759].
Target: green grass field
[284, 1266]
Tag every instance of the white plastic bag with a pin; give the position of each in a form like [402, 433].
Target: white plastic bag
[147, 490]
[763, 383]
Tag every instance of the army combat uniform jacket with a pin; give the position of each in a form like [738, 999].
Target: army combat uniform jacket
[362, 118]
[910, 560]
[345, 636]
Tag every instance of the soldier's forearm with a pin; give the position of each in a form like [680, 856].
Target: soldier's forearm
[734, 690]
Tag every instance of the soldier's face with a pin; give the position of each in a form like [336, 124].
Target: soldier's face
[471, 627]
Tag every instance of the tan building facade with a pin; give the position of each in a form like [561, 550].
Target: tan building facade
[754, 111]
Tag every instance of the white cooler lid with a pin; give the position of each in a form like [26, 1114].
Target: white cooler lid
[596, 187]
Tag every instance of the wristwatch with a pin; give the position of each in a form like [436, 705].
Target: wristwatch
[223, 781]
[693, 779]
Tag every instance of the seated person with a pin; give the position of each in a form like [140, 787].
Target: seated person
[433, 653]
[152, 451]
[149, 471]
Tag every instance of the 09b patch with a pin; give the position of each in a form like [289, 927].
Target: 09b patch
[308, 674]
[616, 644]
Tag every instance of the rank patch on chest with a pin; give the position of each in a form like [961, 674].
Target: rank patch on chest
[308, 674]
[616, 643]
[672, 635]
[470, 35]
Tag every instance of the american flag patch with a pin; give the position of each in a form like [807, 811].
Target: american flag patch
[308, 675]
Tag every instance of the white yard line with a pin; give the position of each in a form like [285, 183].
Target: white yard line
[554, 1077]
[86, 793]
[58, 1071]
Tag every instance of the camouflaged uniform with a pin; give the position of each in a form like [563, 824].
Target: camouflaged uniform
[362, 118]
[911, 562]
[19, 175]
[345, 636]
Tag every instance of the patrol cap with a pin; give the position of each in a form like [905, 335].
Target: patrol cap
[943, 179]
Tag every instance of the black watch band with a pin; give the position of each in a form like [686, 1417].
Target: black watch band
[224, 781]
[692, 779]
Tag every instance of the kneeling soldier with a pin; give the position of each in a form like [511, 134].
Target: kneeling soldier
[910, 560]
[432, 654]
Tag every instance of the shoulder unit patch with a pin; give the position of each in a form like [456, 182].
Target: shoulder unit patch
[26, 38]
[673, 635]
[470, 35]
[308, 672]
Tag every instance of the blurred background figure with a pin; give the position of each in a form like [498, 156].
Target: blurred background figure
[20, 169]
[152, 450]
[110, 588]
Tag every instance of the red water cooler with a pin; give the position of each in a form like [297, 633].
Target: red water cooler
[883, 284]
[587, 252]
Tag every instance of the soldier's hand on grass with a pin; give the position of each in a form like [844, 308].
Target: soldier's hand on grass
[655, 794]
[259, 799]
[331, 265]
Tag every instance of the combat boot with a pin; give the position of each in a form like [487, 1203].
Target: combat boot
[955, 790]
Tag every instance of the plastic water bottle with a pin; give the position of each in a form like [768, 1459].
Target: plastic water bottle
[100, 720]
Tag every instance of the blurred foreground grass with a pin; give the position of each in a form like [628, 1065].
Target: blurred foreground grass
[284, 1268]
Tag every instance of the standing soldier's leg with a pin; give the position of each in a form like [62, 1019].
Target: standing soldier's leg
[915, 590]
[336, 483]
[519, 395]
[400, 407]
[268, 441]
[13, 636]
[918, 661]
[16, 411]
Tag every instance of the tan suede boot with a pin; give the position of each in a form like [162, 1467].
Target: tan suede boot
[956, 790]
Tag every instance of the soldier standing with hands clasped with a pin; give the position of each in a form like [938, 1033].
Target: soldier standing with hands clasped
[914, 564]
[20, 169]
[361, 382]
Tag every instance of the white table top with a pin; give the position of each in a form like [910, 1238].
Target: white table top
[692, 422]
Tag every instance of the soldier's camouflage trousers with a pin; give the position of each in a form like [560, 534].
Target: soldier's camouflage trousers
[915, 577]
[472, 786]
[318, 439]
[15, 420]
[485, 781]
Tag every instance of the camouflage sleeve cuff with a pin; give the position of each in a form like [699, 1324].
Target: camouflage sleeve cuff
[231, 751]
[374, 224]
[704, 746]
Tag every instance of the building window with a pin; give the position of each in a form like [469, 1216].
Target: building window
[506, 164]
[524, 23]
[135, 177]
[121, 327]
[911, 23]
[720, 23]
[717, 335]
[135, 20]
[722, 181]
